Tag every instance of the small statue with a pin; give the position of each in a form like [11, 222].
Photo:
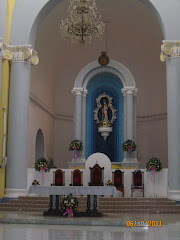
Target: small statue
[105, 112]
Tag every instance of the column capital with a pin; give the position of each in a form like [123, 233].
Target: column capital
[129, 90]
[80, 91]
[170, 49]
[18, 53]
[85, 93]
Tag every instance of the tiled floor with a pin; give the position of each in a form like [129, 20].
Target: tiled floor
[170, 229]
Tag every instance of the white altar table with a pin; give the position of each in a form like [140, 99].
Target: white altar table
[55, 192]
[75, 190]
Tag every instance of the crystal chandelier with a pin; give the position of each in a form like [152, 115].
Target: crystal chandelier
[83, 23]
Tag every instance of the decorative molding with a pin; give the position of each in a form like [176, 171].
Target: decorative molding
[18, 53]
[129, 90]
[78, 91]
[156, 117]
[169, 49]
[174, 195]
[49, 110]
[85, 93]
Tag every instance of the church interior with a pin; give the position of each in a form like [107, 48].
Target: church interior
[89, 112]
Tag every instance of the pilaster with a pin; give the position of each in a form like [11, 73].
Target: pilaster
[129, 93]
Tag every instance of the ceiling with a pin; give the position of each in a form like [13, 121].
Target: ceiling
[134, 39]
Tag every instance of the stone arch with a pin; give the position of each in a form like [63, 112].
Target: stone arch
[80, 91]
[93, 68]
[39, 151]
[35, 14]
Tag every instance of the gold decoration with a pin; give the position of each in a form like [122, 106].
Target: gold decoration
[7, 55]
[102, 122]
[169, 49]
[103, 59]
[35, 59]
[27, 53]
[83, 23]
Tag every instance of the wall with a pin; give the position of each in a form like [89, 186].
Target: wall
[135, 42]
[152, 139]
[40, 119]
[3, 12]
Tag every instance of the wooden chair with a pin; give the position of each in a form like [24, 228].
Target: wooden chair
[118, 180]
[58, 178]
[96, 176]
[137, 182]
[76, 178]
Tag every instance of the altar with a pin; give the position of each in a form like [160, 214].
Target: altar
[55, 193]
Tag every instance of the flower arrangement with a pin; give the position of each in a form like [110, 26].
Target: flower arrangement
[109, 183]
[69, 205]
[129, 146]
[35, 182]
[154, 164]
[42, 164]
[76, 145]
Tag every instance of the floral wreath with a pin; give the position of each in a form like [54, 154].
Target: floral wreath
[35, 182]
[69, 204]
[42, 164]
[129, 146]
[109, 183]
[76, 145]
[154, 164]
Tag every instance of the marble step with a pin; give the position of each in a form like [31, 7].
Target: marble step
[138, 207]
[137, 203]
[31, 209]
[133, 199]
[28, 205]
[43, 198]
[141, 211]
[36, 202]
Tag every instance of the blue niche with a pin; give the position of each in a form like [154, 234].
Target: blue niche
[112, 147]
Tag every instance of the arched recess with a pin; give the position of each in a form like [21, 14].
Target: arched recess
[124, 91]
[39, 152]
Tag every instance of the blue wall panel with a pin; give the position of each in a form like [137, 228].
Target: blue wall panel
[112, 147]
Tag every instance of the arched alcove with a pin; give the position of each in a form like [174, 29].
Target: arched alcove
[111, 85]
[39, 145]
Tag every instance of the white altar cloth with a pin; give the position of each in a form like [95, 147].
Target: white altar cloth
[75, 190]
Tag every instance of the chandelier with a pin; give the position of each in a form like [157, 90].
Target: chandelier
[83, 23]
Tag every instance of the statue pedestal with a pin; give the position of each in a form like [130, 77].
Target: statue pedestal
[130, 163]
[80, 163]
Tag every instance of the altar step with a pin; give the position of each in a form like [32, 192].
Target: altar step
[38, 205]
[34, 204]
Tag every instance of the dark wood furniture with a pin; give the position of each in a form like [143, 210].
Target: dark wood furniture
[118, 180]
[137, 182]
[76, 178]
[58, 178]
[96, 176]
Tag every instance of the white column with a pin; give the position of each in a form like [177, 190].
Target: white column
[129, 94]
[84, 97]
[77, 112]
[78, 117]
[171, 54]
[16, 177]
